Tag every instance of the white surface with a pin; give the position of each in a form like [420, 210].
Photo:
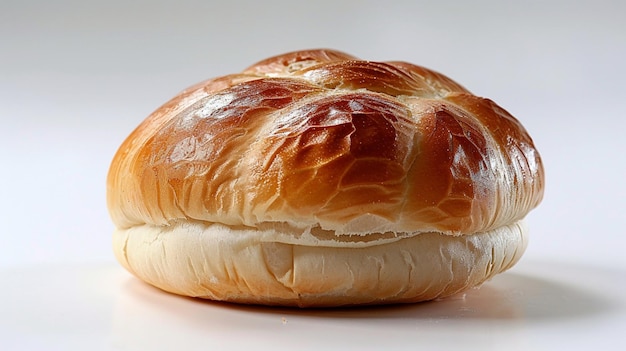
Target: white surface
[536, 306]
[76, 77]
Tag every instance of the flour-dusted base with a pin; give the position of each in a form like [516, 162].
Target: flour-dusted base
[243, 265]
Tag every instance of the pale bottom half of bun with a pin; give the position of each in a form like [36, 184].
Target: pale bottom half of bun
[218, 262]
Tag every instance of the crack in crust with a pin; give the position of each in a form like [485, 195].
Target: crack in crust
[321, 138]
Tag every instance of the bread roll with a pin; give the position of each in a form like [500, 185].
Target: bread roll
[314, 178]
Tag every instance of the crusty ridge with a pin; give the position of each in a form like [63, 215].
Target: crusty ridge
[320, 138]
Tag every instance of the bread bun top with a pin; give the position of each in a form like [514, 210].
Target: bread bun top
[320, 139]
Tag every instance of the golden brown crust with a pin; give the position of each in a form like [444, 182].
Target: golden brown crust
[317, 179]
[320, 138]
[291, 62]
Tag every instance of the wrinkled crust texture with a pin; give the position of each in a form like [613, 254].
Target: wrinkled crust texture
[319, 138]
[316, 178]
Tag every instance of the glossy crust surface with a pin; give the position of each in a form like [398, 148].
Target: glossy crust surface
[321, 138]
[319, 142]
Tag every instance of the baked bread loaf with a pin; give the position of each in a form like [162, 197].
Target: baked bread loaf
[314, 178]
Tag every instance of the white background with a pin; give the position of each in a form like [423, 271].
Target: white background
[77, 76]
